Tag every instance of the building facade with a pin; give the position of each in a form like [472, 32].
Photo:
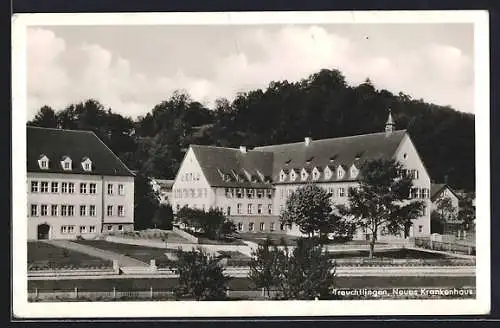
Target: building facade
[252, 186]
[76, 186]
[440, 191]
[164, 189]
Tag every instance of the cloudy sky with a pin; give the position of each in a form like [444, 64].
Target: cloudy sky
[132, 68]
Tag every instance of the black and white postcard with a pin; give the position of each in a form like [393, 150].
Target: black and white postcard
[263, 163]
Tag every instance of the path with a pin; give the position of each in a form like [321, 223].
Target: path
[123, 261]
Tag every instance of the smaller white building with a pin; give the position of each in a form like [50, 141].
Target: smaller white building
[76, 186]
[164, 189]
[440, 191]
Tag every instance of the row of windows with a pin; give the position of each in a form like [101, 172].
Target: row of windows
[334, 192]
[190, 176]
[422, 193]
[190, 193]
[239, 209]
[70, 229]
[248, 192]
[66, 163]
[304, 174]
[262, 226]
[69, 210]
[69, 187]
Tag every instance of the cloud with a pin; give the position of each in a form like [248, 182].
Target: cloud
[59, 74]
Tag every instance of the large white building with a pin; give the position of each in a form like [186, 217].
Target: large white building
[252, 186]
[76, 186]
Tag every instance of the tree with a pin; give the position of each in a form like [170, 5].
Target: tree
[201, 275]
[382, 199]
[445, 211]
[263, 265]
[309, 207]
[437, 222]
[467, 212]
[45, 118]
[146, 202]
[163, 217]
[213, 224]
[305, 273]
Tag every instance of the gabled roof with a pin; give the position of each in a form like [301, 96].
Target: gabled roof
[370, 146]
[436, 189]
[58, 143]
[212, 159]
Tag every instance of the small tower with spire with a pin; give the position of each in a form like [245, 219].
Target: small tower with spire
[389, 125]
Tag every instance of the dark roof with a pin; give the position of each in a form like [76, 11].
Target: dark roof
[217, 160]
[57, 143]
[436, 189]
[344, 151]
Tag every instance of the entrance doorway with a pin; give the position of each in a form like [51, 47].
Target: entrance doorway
[43, 231]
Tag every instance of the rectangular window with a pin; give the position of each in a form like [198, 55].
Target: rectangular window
[92, 210]
[83, 188]
[71, 210]
[34, 186]
[120, 190]
[269, 209]
[270, 194]
[64, 210]
[249, 210]
[110, 189]
[341, 192]
[54, 187]
[83, 210]
[34, 210]
[121, 212]
[92, 229]
[53, 210]
[420, 228]
[92, 188]
[240, 226]
[43, 210]
[271, 226]
[64, 229]
[261, 226]
[83, 229]
[425, 193]
[424, 210]
[259, 208]
[110, 227]
[44, 186]
[282, 226]
[64, 187]
[71, 229]
[120, 227]
[66, 166]
[250, 226]
[229, 210]
[239, 208]
[110, 210]
[71, 188]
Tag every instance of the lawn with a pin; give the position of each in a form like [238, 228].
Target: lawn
[243, 283]
[155, 234]
[43, 256]
[141, 253]
[259, 238]
[402, 253]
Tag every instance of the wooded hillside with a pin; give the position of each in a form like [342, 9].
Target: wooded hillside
[320, 106]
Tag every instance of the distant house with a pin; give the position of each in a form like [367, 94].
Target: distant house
[164, 189]
[76, 186]
[441, 191]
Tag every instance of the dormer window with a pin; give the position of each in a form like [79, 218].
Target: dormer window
[282, 175]
[303, 175]
[354, 172]
[66, 163]
[43, 162]
[315, 173]
[333, 158]
[87, 164]
[293, 175]
[328, 173]
[340, 172]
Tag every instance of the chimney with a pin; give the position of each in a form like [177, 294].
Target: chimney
[307, 141]
[243, 149]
